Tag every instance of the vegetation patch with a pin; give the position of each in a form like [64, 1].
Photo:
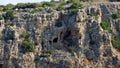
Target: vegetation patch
[73, 1]
[10, 14]
[60, 8]
[72, 49]
[49, 4]
[46, 53]
[73, 11]
[37, 10]
[48, 17]
[75, 6]
[115, 43]
[27, 46]
[105, 26]
[1, 17]
[115, 16]
[25, 36]
[26, 5]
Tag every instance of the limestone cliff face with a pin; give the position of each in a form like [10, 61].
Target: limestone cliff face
[76, 41]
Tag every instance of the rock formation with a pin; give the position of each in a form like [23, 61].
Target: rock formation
[60, 40]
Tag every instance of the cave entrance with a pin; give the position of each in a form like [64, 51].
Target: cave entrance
[1, 64]
[55, 40]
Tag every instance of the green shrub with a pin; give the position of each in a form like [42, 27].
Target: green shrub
[48, 17]
[73, 1]
[95, 15]
[49, 4]
[115, 43]
[48, 51]
[27, 46]
[25, 36]
[60, 8]
[9, 6]
[1, 17]
[105, 26]
[37, 10]
[73, 49]
[115, 16]
[73, 11]
[63, 3]
[26, 5]
[75, 6]
[49, 10]
[10, 14]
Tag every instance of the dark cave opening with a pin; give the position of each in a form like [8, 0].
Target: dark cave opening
[1, 65]
[55, 40]
[67, 34]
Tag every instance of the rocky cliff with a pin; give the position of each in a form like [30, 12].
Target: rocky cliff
[61, 39]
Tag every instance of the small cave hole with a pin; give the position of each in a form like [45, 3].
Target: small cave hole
[55, 40]
[92, 42]
[1, 65]
[50, 42]
[67, 34]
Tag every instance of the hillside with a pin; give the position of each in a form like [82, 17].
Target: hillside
[60, 35]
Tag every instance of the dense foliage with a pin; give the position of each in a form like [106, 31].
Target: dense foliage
[115, 16]
[60, 8]
[48, 4]
[10, 14]
[105, 26]
[26, 5]
[75, 6]
[115, 43]
[25, 36]
[27, 46]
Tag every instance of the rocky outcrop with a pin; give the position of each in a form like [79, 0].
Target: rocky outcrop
[60, 40]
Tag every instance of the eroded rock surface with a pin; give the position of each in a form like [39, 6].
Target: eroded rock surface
[60, 40]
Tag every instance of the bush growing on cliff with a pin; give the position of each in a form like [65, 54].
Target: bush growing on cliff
[73, 11]
[75, 6]
[25, 36]
[10, 14]
[60, 8]
[1, 17]
[26, 5]
[115, 16]
[37, 10]
[73, 1]
[73, 49]
[105, 26]
[115, 43]
[27, 46]
[49, 4]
